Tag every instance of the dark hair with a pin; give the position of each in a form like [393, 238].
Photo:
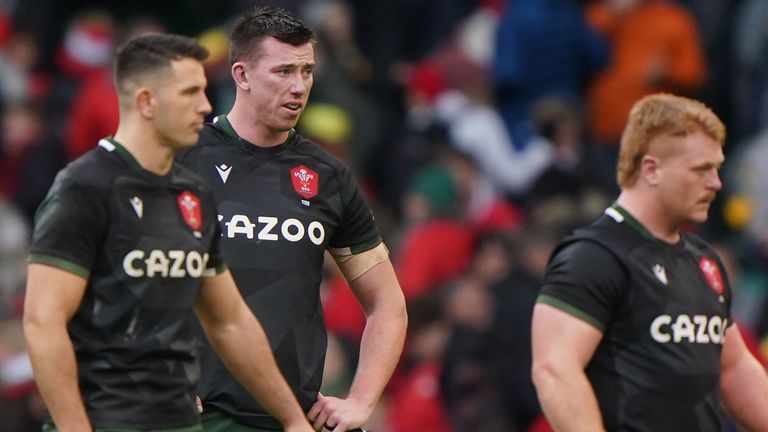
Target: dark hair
[266, 21]
[152, 52]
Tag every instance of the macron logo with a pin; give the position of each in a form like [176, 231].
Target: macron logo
[224, 171]
[138, 206]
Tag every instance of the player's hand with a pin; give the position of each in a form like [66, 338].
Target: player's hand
[331, 414]
[199, 404]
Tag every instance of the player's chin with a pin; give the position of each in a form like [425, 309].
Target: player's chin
[188, 141]
[700, 215]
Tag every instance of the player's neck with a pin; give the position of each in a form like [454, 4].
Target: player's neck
[255, 133]
[146, 147]
[646, 209]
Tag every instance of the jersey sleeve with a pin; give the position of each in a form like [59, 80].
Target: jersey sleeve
[357, 231]
[584, 280]
[70, 226]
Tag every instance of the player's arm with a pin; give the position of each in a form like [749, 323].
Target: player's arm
[239, 339]
[582, 290]
[52, 297]
[372, 278]
[562, 346]
[743, 383]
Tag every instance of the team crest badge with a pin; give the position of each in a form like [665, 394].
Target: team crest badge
[304, 181]
[189, 205]
[712, 273]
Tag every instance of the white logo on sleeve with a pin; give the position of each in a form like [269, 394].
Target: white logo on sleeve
[224, 171]
[138, 206]
[660, 273]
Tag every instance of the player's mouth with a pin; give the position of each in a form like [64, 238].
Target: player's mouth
[293, 107]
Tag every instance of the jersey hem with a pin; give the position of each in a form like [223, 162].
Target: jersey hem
[60, 263]
[571, 310]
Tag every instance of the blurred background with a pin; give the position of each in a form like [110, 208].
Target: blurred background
[481, 132]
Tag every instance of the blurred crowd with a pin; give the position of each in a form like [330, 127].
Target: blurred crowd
[481, 130]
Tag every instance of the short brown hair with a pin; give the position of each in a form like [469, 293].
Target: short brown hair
[658, 114]
[150, 53]
[266, 21]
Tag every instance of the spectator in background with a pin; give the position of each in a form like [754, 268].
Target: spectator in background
[436, 244]
[84, 53]
[655, 47]
[567, 192]
[29, 160]
[341, 76]
[750, 51]
[416, 401]
[18, 81]
[475, 127]
[543, 47]
[94, 113]
[14, 243]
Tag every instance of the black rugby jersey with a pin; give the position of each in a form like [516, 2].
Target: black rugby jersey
[279, 209]
[143, 241]
[663, 310]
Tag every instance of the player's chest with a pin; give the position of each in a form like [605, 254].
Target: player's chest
[677, 297]
[158, 217]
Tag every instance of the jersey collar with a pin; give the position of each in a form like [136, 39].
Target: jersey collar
[222, 123]
[631, 221]
[110, 144]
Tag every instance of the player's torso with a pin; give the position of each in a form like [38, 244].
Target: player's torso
[278, 211]
[659, 360]
[136, 349]
[155, 251]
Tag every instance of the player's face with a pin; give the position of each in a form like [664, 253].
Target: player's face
[280, 80]
[182, 104]
[689, 177]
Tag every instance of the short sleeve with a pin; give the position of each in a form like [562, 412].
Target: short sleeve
[357, 231]
[70, 226]
[585, 280]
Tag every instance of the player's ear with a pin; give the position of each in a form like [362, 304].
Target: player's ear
[240, 76]
[145, 102]
[649, 169]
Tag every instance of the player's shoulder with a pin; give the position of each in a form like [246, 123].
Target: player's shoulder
[93, 170]
[210, 137]
[612, 231]
[186, 177]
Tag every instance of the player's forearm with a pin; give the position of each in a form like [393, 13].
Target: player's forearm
[244, 349]
[380, 349]
[567, 399]
[744, 390]
[54, 365]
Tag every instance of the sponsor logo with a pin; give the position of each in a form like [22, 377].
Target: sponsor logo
[138, 206]
[712, 274]
[270, 228]
[159, 263]
[189, 205]
[699, 329]
[304, 181]
[224, 171]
